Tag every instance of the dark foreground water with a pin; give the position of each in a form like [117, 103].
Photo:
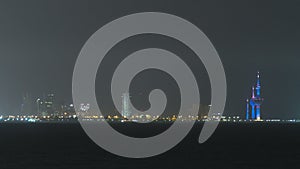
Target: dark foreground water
[233, 146]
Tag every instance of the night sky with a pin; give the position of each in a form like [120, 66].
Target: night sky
[40, 41]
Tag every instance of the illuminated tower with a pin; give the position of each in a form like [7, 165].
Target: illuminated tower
[247, 109]
[252, 105]
[125, 105]
[255, 101]
[45, 105]
[258, 98]
[49, 104]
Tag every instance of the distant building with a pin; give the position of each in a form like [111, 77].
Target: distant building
[49, 104]
[203, 111]
[66, 110]
[125, 105]
[39, 106]
[45, 106]
[255, 101]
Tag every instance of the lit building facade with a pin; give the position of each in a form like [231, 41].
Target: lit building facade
[125, 105]
[255, 102]
[45, 106]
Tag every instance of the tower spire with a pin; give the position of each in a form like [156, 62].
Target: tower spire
[247, 109]
[258, 79]
[258, 84]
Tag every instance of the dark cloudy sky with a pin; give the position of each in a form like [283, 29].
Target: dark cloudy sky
[40, 41]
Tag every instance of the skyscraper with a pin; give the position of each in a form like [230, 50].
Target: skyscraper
[49, 104]
[125, 105]
[45, 106]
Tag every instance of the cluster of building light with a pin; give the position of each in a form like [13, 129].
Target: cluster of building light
[19, 118]
[46, 112]
[136, 118]
[149, 118]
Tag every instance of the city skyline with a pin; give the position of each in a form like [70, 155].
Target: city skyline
[39, 48]
[140, 84]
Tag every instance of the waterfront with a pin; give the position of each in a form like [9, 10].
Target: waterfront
[233, 145]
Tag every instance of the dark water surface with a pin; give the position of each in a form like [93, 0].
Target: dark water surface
[233, 146]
